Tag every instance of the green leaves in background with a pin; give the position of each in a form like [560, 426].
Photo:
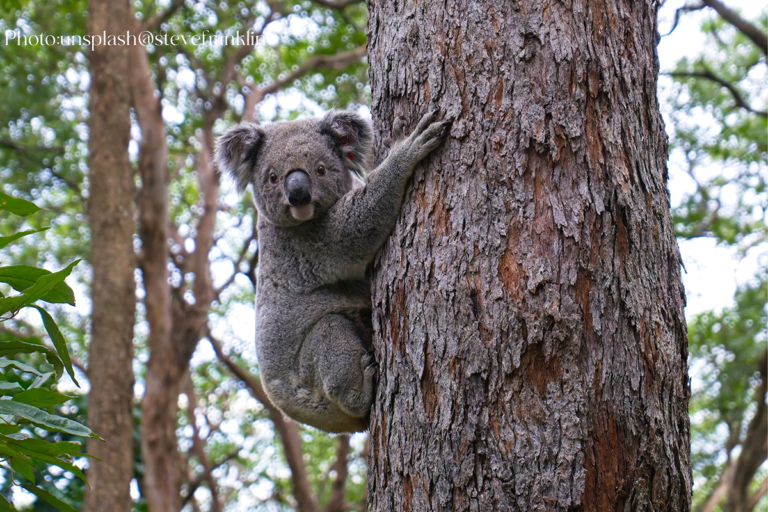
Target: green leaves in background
[719, 124]
[10, 348]
[42, 287]
[24, 403]
[43, 419]
[49, 498]
[5, 240]
[58, 341]
[16, 206]
[21, 277]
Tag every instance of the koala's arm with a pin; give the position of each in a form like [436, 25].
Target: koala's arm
[361, 221]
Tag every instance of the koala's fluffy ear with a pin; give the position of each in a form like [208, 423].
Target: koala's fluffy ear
[353, 136]
[237, 151]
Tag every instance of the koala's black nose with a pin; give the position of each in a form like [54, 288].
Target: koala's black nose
[298, 188]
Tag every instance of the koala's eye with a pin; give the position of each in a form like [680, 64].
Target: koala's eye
[321, 170]
[273, 177]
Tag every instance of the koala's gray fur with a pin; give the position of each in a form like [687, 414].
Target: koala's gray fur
[313, 336]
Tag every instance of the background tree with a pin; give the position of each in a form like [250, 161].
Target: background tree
[717, 108]
[111, 215]
[528, 308]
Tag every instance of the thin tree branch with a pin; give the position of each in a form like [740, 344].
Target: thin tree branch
[241, 256]
[719, 492]
[709, 75]
[71, 184]
[757, 496]
[681, 11]
[198, 480]
[78, 364]
[336, 501]
[153, 23]
[198, 447]
[314, 63]
[23, 148]
[286, 428]
[754, 449]
[756, 35]
[338, 4]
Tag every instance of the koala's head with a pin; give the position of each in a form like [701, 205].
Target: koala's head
[298, 169]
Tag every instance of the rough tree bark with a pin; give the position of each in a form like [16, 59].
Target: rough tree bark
[110, 204]
[528, 308]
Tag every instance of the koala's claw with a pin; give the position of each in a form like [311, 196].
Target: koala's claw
[425, 122]
[369, 359]
[446, 128]
[370, 366]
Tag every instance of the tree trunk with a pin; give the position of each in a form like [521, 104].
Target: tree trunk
[159, 452]
[528, 309]
[110, 359]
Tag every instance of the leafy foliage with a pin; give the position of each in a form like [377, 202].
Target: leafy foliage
[719, 124]
[26, 396]
[719, 121]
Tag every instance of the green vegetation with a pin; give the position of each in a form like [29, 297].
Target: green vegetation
[30, 368]
[719, 127]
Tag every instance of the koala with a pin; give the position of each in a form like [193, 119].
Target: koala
[320, 226]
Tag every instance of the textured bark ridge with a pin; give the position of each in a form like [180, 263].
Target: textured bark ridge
[528, 307]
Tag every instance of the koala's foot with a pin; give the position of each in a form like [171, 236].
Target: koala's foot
[347, 371]
[424, 139]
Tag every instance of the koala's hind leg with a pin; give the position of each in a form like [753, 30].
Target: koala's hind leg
[345, 368]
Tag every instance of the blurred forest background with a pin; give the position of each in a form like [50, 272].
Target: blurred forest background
[228, 447]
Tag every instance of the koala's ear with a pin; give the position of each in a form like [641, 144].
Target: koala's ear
[352, 135]
[237, 150]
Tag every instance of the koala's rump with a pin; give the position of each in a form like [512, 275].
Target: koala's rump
[286, 317]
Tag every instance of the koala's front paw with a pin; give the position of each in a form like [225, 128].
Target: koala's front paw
[426, 137]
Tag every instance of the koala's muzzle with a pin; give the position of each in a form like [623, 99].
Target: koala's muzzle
[298, 188]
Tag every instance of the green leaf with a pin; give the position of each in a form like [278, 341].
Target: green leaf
[17, 206]
[56, 449]
[5, 505]
[9, 452]
[23, 467]
[5, 240]
[49, 498]
[41, 397]
[44, 454]
[9, 348]
[6, 429]
[58, 341]
[21, 277]
[44, 420]
[45, 379]
[6, 363]
[43, 285]
[10, 388]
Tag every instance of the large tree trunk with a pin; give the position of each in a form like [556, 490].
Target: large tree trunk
[110, 359]
[528, 309]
